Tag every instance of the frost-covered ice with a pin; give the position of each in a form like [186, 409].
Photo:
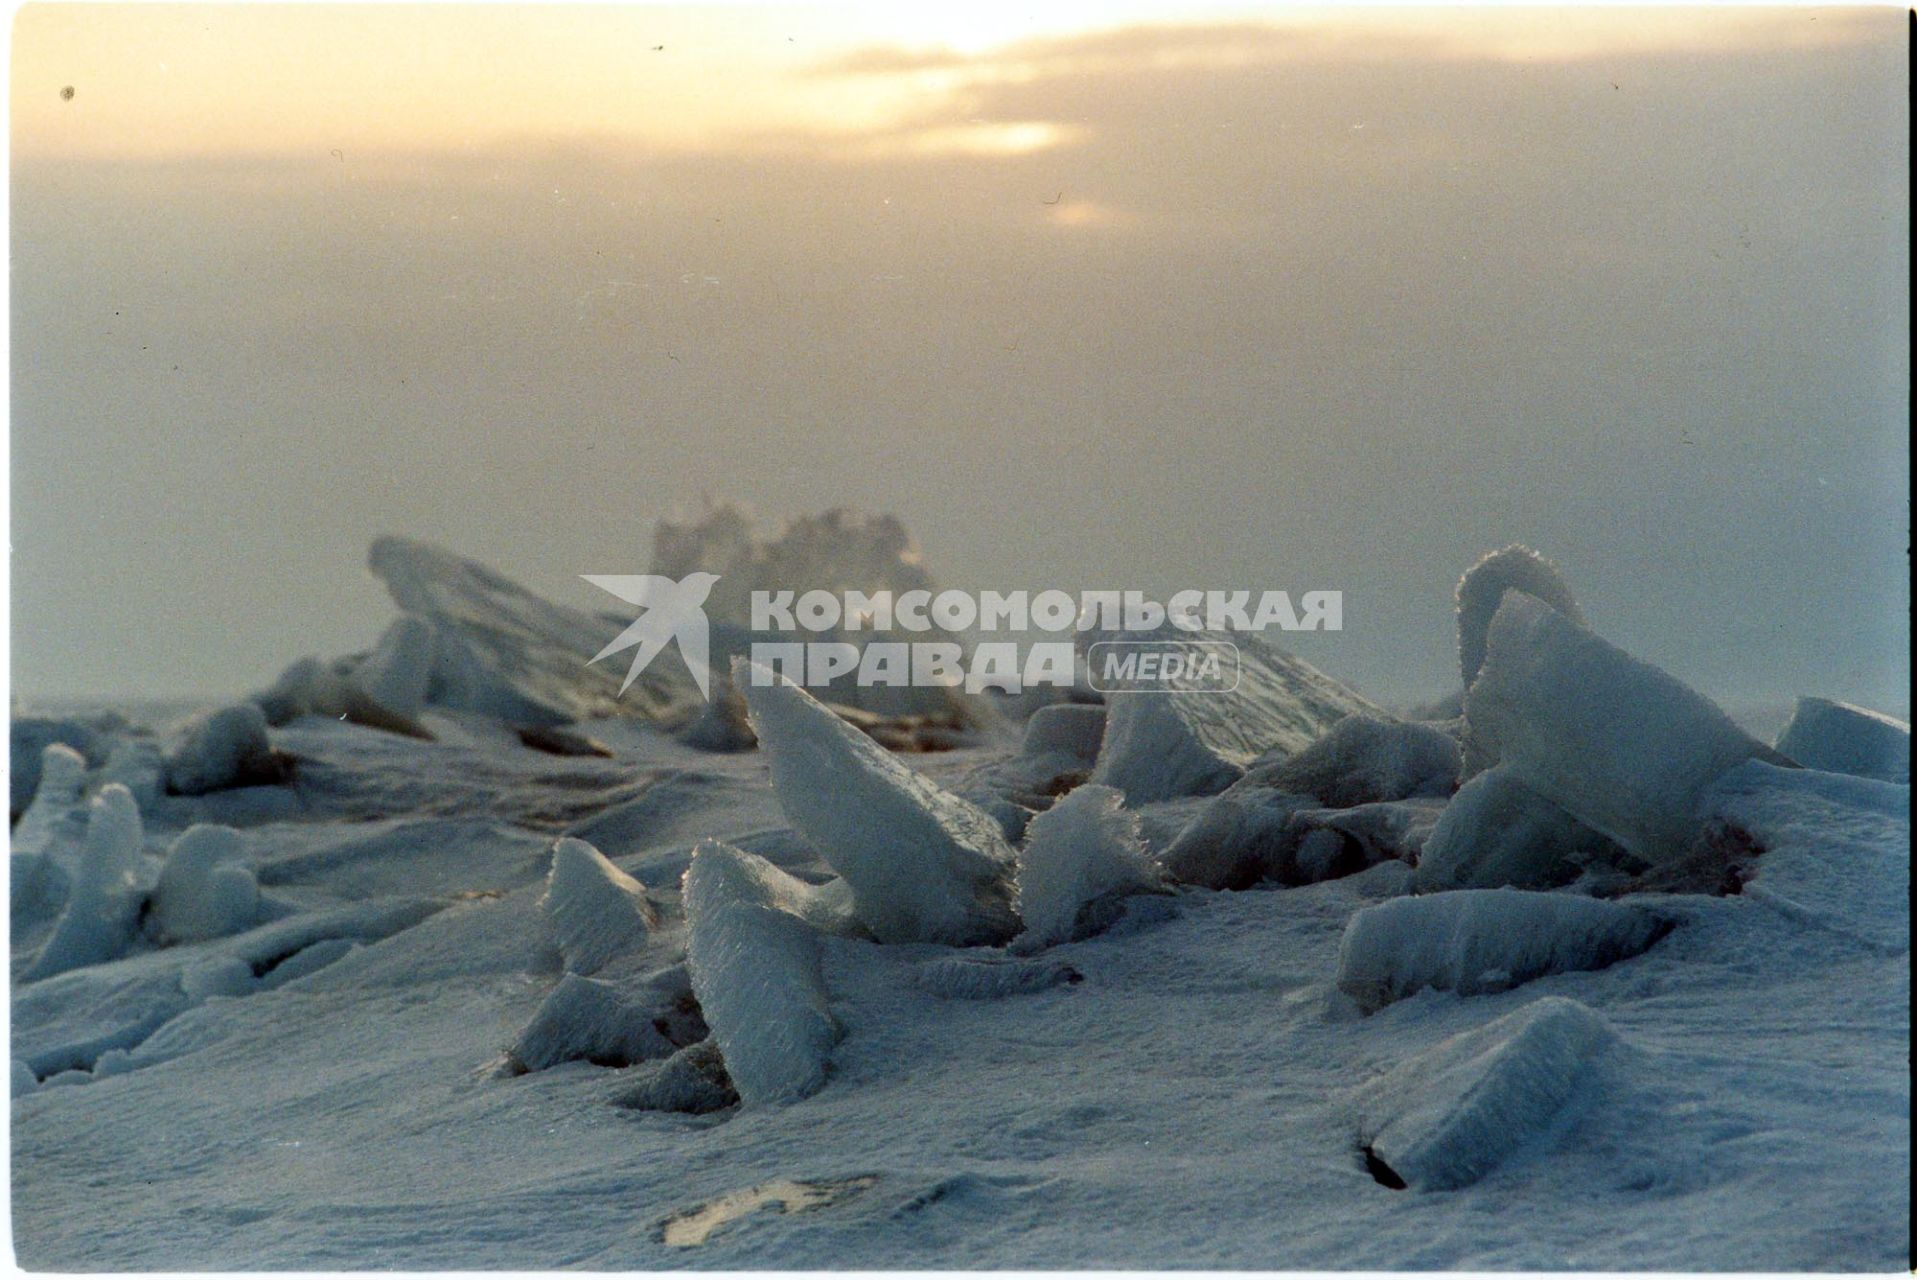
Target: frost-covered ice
[756, 970]
[103, 906]
[62, 773]
[1840, 738]
[1481, 590]
[1084, 850]
[596, 910]
[1498, 833]
[923, 865]
[204, 891]
[1160, 744]
[214, 750]
[1072, 728]
[584, 1019]
[1478, 940]
[1455, 1112]
[1620, 745]
[1365, 760]
[1118, 1101]
[398, 673]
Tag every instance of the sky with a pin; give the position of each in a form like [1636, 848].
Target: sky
[1107, 297]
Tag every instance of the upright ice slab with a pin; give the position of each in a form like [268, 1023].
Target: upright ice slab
[1840, 738]
[104, 905]
[1454, 1113]
[756, 971]
[922, 864]
[63, 772]
[596, 910]
[1481, 940]
[1163, 743]
[585, 1019]
[1618, 744]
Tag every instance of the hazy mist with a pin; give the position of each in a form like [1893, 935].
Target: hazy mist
[1247, 305]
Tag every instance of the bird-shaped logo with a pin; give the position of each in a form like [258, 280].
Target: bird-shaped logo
[669, 611]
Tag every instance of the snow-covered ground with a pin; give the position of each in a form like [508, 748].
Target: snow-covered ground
[415, 1046]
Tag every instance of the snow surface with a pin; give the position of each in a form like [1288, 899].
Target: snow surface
[1116, 1102]
[1840, 738]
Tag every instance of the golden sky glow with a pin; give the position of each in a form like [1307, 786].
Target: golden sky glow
[154, 80]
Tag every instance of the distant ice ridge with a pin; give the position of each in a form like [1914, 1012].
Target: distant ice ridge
[835, 552]
[1448, 1116]
[1840, 738]
[103, 908]
[1082, 851]
[1161, 744]
[1481, 940]
[755, 968]
[922, 864]
[1618, 744]
[596, 910]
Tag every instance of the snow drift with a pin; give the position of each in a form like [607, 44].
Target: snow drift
[1482, 940]
[923, 865]
[756, 971]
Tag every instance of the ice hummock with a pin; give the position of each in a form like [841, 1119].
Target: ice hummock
[1446, 1117]
[1474, 941]
[204, 890]
[1364, 759]
[103, 907]
[1618, 744]
[755, 968]
[1840, 738]
[1082, 851]
[922, 864]
[63, 772]
[1497, 832]
[501, 651]
[1164, 743]
[586, 1019]
[596, 911]
[222, 748]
